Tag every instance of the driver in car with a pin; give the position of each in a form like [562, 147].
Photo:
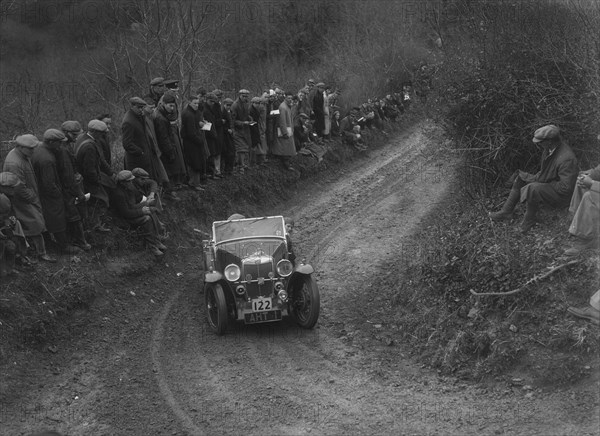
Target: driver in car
[289, 228]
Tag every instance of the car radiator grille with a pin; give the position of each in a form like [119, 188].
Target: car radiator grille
[258, 270]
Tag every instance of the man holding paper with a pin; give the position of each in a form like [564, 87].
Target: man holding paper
[284, 146]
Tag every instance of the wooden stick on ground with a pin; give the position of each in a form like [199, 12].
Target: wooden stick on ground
[532, 280]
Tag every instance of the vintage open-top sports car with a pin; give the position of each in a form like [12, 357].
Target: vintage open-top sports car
[249, 277]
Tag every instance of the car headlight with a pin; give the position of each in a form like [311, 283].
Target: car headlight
[232, 272]
[284, 267]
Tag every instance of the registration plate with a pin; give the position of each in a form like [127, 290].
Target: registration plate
[253, 318]
[262, 305]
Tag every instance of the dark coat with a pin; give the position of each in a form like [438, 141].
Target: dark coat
[104, 144]
[25, 201]
[319, 111]
[157, 169]
[125, 202]
[135, 142]
[169, 143]
[89, 161]
[560, 170]
[51, 194]
[70, 181]
[194, 143]
[215, 136]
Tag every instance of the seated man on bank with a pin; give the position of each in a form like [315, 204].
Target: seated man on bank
[148, 187]
[125, 200]
[552, 185]
[585, 204]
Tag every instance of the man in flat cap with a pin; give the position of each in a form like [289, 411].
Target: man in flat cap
[26, 201]
[157, 89]
[195, 148]
[96, 175]
[126, 200]
[213, 114]
[552, 185]
[258, 131]
[169, 143]
[72, 186]
[50, 188]
[228, 153]
[318, 107]
[350, 129]
[240, 115]
[284, 147]
[135, 139]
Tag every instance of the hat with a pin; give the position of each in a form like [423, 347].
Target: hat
[97, 125]
[321, 84]
[243, 91]
[303, 115]
[211, 96]
[256, 100]
[278, 91]
[547, 132]
[236, 216]
[28, 140]
[227, 101]
[171, 83]
[125, 176]
[9, 179]
[54, 135]
[311, 81]
[141, 173]
[137, 101]
[157, 81]
[168, 98]
[287, 220]
[272, 92]
[218, 92]
[149, 101]
[71, 126]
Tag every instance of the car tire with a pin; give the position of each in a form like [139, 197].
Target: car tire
[216, 308]
[305, 301]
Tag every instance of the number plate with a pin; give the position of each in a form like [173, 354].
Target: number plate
[254, 318]
[262, 305]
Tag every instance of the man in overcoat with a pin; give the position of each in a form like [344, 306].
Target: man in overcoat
[284, 146]
[169, 143]
[96, 175]
[26, 201]
[240, 115]
[215, 136]
[135, 139]
[50, 187]
[194, 142]
[552, 185]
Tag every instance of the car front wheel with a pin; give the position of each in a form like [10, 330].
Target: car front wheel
[305, 301]
[216, 307]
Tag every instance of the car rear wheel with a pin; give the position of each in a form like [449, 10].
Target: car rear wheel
[216, 307]
[305, 301]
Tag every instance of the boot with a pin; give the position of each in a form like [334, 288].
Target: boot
[582, 244]
[509, 206]
[529, 219]
[80, 237]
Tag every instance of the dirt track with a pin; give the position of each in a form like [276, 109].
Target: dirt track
[160, 371]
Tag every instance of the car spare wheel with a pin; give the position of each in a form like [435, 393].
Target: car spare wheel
[305, 301]
[216, 307]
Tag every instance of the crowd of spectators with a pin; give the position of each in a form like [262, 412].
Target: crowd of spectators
[64, 186]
